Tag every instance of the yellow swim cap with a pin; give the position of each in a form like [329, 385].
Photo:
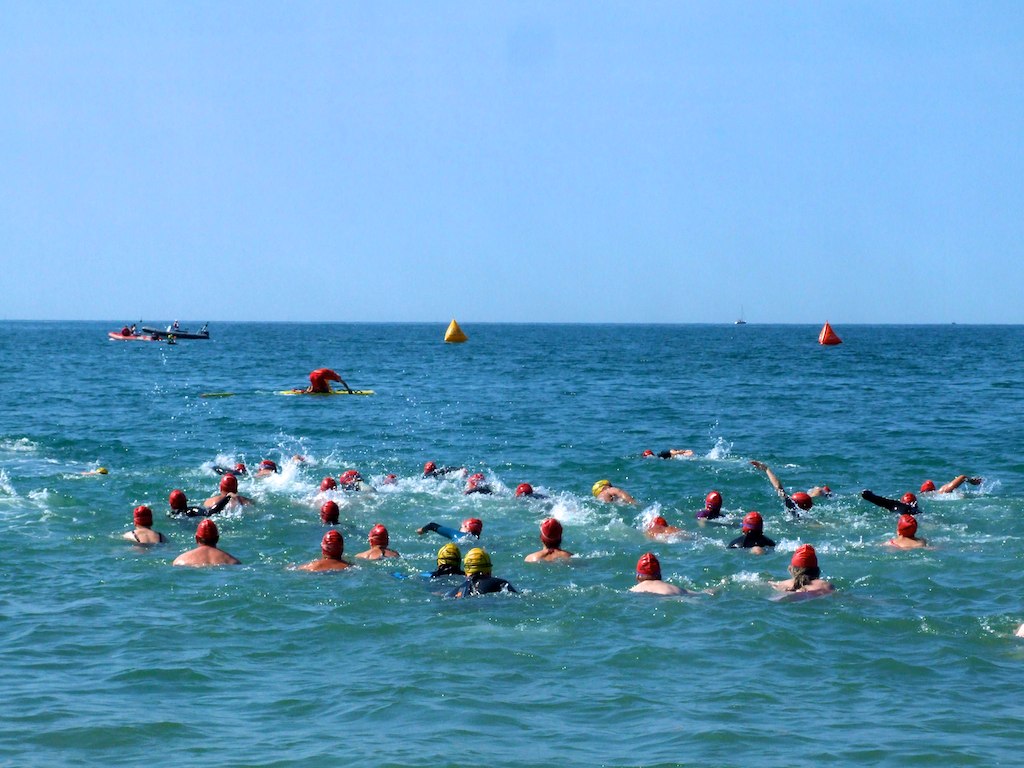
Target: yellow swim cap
[599, 486]
[449, 554]
[102, 470]
[477, 561]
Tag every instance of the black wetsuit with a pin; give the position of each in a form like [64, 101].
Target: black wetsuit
[442, 471]
[481, 585]
[751, 539]
[447, 570]
[891, 504]
[664, 454]
[201, 511]
[479, 489]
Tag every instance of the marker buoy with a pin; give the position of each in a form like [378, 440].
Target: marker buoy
[454, 334]
[828, 336]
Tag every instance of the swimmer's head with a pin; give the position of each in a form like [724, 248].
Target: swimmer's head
[241, 470]
[473, 525]
[648, 568]
[599, 486]
[906, 526]
[329, 513]
[101, 470]
[927, 485]
[648, 453]
[524, 489]
[474, 481]
[328, 484]
[802, 500]
[804, 557]
[177, 500]
[332, 545]
[477, 562]
[349, 476]
[207, 533]
[551, 532]
[390, 479]
[143, 515]
[753, 522]
[658, 522]
[449, 554]
[429, 467]
[378, 536]
[909, 498]
[267, 464]
[826, 490]
[713, 501]
[229, 484]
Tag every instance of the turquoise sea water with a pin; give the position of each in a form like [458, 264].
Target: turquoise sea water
[112, 657]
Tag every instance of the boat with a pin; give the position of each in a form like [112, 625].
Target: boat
[178, 332]
[741, 321]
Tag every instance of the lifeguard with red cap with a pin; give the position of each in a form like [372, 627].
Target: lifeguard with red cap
[551, 538]
[207, 552]
[143, 532]
[806, 578]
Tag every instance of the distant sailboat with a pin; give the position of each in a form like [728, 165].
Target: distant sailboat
[741, 321]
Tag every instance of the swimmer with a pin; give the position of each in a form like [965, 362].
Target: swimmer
[928, 486]
[648, 577]
[350, 480]
[390, 479]
[331, 547]
[430, 469]
[97, 471]
[907, 505]
[906, 528]
[798, 500]
[471, 528]
[551, 538]
[266, 468]
[525, 490]
[806, 575]
[603, 490]
[229, 491]
[144, 533]
[712, 507]
[240, 469]
[753, 537]
[671, 453]
[479, 581]
[328, 484]
[378, 550]
[206, 553]
[329, 513]
[320, 381]
[449, 558]
[180, 507]
[659, 528]
[477, 484]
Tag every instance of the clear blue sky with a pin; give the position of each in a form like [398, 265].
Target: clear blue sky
[522, 161]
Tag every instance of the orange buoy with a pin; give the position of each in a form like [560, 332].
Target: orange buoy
[828, 337]
[454, 334]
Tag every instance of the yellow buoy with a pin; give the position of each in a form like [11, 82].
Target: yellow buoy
[454, 334]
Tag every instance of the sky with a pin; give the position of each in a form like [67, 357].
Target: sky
[620, 162]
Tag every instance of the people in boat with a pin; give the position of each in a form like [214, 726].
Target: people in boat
[906, 505]
[180, 507]
[928, 486]
[551, 541]
[378, 539]
[229, 491]
[126, 331]
[671, 453]
[805, 574]
[331, 548]
[207, 552]
[329, 513]
[239, 470]
[603, 490]
[753, 537]
[267, 468]
[320, 381]
[649, 581]
[906, 534]
[470, 529]
[799, 500]
[477, 484]
[658, 528]
[449, 562]
[430, 469]
[479, 581]
[526, 491]
[712, 507]
[143, 532]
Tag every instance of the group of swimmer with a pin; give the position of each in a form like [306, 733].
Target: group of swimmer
[475, 567]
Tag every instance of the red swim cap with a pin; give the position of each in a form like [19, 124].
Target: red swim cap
[804, 557]
[551, 532]
[473, 525]
[909, 498]
[906, 526]
[329, 512]
[390, 479]
[802, 500]
[648, 567]
[753, 522]
[332, 545]
[240, 468]
[207, 533]
[658, 522]
[826, 489]
[379, 536]
[268, 464]
[524, 489]
[648, 452]
[143, 516]
[927, 485]
[349, 476]
[229, 484]
[177, 499]
[429, 467]
[713, 501]
[328, 484]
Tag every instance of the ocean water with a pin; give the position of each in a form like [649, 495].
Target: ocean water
[112, 657]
